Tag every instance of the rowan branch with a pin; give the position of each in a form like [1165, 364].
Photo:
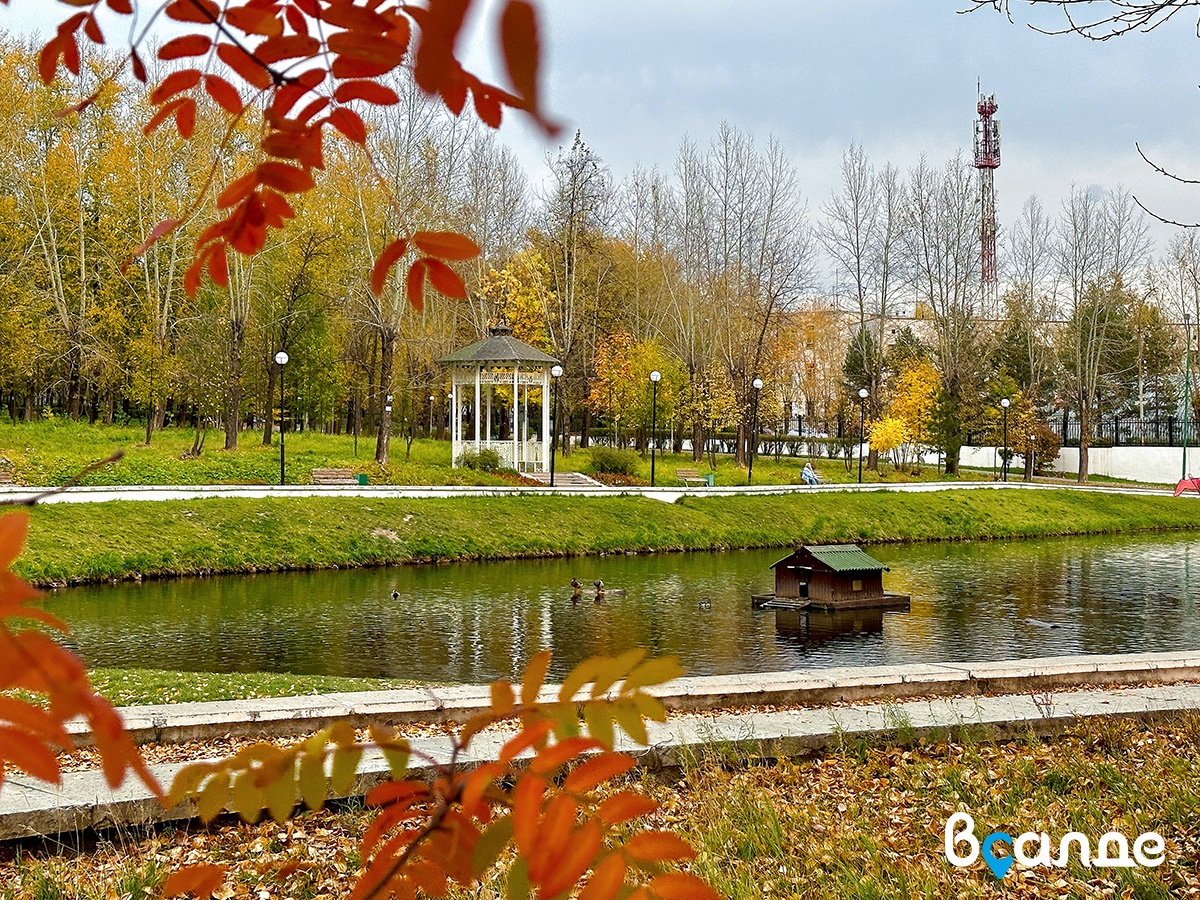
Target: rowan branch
[71, 482]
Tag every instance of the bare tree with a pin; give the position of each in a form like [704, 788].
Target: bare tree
[941, 243]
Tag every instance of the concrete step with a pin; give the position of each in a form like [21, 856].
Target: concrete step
[565, 479]
[29, 808]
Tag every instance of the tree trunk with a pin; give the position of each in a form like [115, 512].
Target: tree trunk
[740, 444]
[697, 441]
[1085, 436]
[73, 384]
[268, 408]
[387, 348]
[233, 385]
[1029, 457]
[585, 429]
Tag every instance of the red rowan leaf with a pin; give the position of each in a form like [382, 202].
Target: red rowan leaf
[92, 29]
[237, 191]
[139, 67]
[277, 209]
[188, 45]
[381, 52]
[682, 886]
[526, 808]
[345, 14]
[519, 41]
[296, 19]
[598, 770]
[623, 806]
[218, 266]
[304, 147]
[161, 230]
[658, 846]
[70, 54]
[454, 94]
[253, 72]
[185, 117]
[445, 279]
[124, 7]
[34, 757]
[529, 736]
[397, 792]
[247, 226]
[14, 528]
[76, 108]
[34, 721]
[191, 278]
[414, 284]
[607, 879]
[224, 94]
[164, 112]
[487, 107]
[581, 849]
[309, 7]
[175, 83]
[285, 177]
[446, 245]
[388, 258]
[205, 11]
[349, 123]
[201, 880]
[556, 755]
[476, 783]
[252, 19]
[367, 91]
[317, 106]
[289, 46]
[48, 60]
[440, 25]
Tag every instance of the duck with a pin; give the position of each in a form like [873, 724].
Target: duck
[395, 594]
[602, 591]
[704, 604]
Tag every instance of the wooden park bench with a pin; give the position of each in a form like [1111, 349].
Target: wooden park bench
[691, 477]
[334, 476]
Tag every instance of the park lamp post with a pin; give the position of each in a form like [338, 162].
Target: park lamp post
[1187, 388]
[557, 373]
[1004, 457]
[655, 378]
[432, 400]
[757, 384]
[281, 359]
[863, 394]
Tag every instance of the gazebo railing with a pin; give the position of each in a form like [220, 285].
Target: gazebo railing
[529, 453]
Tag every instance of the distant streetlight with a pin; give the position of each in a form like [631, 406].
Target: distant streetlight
[655, 378]
[556, 371]
[863, 394]
[281, 359]
[757, 384]
[432, 400]
[1004, 458]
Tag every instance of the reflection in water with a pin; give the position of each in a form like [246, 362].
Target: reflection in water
[479, 621]
[812, 627]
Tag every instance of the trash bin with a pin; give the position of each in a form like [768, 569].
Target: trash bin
[360, 478]
[709, 478]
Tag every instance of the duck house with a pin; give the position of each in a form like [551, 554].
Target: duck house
[829, 576]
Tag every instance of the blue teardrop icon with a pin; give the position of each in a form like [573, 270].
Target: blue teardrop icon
[998, 864]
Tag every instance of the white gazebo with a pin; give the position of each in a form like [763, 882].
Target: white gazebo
[500, 360]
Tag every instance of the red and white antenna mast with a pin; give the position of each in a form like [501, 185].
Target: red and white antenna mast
[987, 160]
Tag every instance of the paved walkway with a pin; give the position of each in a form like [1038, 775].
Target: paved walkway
[1037, 697]
[665, 494]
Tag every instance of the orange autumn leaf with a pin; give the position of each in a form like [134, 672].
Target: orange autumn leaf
[446, 245]
[201, 880]
[387, 259]
[681, 886]
[658, 846]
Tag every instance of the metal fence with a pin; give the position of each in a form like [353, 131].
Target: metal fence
[1163, 431]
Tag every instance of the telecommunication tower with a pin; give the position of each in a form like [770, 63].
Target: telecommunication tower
[987, 160]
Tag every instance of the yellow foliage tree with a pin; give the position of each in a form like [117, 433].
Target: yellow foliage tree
[914, 401]
[888, 435]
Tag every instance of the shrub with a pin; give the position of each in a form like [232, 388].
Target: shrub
[610, 461]
[483, 460]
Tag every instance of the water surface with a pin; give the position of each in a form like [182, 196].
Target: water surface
[473, 622]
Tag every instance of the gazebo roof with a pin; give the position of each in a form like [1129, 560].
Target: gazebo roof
[500, 347]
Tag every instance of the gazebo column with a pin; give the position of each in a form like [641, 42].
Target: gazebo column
[488, 429]
[516, 406]
[477, 368]
[546, 419]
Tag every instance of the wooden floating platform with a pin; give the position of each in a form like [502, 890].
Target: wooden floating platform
[887, 601]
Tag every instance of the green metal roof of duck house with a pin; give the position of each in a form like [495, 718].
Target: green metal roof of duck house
[839, 557]
[500, 347]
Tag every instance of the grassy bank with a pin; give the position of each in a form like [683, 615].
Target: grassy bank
[137, 687]
[90, 542]
[864, 823]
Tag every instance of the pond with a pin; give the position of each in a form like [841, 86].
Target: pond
[473, 622]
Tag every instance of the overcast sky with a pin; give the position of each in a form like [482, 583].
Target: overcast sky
[897, 76]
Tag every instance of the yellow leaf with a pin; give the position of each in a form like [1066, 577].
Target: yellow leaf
[616, 668]
[653, 671]
[281, 795]
[535, 676]
[344, 769]
[651, 707]
[213, 796]
[248, 798]
[581, 675]
[502, 698]
[491, 844]
[629, 717]
[598, 716]
[313, 785]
